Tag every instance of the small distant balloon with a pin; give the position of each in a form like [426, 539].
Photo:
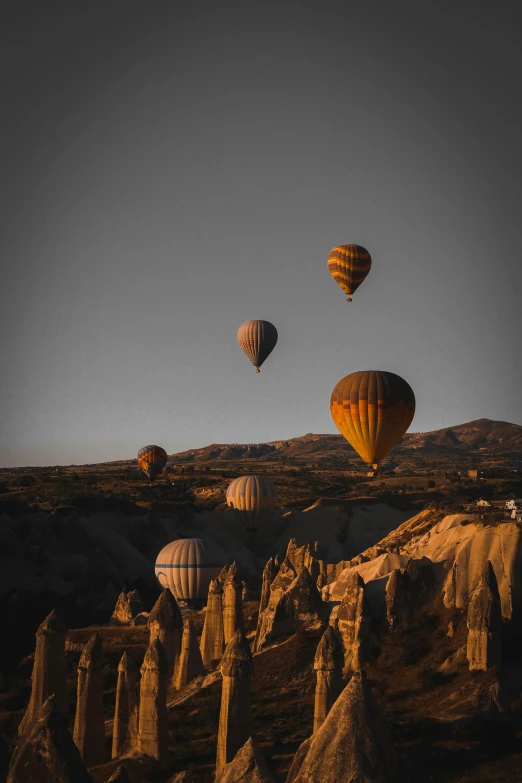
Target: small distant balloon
[187, 566]
[253, 499]
[152, 460]
[349, 265]
[372, 409]
[257, 340]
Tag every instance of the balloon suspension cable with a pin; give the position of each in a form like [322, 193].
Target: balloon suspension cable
[257, 369]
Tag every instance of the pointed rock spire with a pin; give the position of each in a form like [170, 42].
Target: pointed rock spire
[152, 726]
[46, 752]
[126, 711]
[484, 646]
[269, 574]
[328, 664]
[235, 718]
[49, 670]
[353, 622]
[247, 766]
[166, 624]
[354, 738]
[89, 721]
[190, 662]
[395, 597]
[232, 603]
[128, 606]
[212, 643]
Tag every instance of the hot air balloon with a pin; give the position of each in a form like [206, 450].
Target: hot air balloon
[373, 410]
[257, 340]
[253, 498]
[349, 265]
[152, 460]
[187, 566]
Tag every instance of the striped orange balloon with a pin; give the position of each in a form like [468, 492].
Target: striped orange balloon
[152, 460]
[257, 340]
[253, 498]
[372, 409]
[349, 265]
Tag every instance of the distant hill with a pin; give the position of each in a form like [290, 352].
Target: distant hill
[483, 437]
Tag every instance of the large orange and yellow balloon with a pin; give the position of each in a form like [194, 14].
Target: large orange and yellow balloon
[349, 265]
[257, 340]
[152, 460]
[372, 409]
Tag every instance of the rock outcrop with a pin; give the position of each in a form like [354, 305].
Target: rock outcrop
[232, 603]
[484, 647]
[49, 670]
[89, 721]
[120, 776]
[46, 753]
[247, 766]
[297, 761]
[128, 606]
[190, 663]
[328, 664]
[166, 624]
[305, 557]
[354, 738]
[395, 598]
[126, 711]
[212, 643]
[353, 623]
[269, 574]
[235, 717]
[152, 726]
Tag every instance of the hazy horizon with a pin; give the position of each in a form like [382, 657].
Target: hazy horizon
[170, 174]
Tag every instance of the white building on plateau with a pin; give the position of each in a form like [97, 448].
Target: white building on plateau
[482, 503]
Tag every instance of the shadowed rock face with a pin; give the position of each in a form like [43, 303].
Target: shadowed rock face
[353, 622]
[128, 606]
[126, 711]
[89, 722]
[328, 664]
[395, 598]
[297, 761]
[304, 557]
[247, 766]
[120, 776]
[212, 643]
[269, 574]
[301, 603]
[484, 647]
[235, 717]
[49, 670]
[165, 623]
[46, 752]
[232, 603]
[353, 745]
[186, 777]
[190, 663]
[152, 726]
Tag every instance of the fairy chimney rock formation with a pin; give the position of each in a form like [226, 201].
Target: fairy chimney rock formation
[212, 643]
[395, 598]
[128, 606]
[89, 721]
[353, 623]
[354, 738]
[190, 662]
[484, 647]
[166, 624]
[49, 671]
[280, 584]
[235, 717]
[152, 725]
[304, 557]
[269, 574]
[232, 603]
[46, 753]
[328, 664]
[126, 711]
[120, 776]
[247, 766]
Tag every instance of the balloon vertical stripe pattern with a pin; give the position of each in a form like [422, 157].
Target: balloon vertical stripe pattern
[253, 499]
[349, 265]
[152, 460]
[257, 339]
[372, 409]
[188, 565]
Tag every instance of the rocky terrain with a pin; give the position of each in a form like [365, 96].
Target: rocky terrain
[371, 631]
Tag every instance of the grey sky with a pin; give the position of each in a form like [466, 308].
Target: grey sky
[171, 170]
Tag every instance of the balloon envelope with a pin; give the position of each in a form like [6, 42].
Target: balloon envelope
[349, 265]
[257, 340]
[373, 410]
[253, 498]
[187, 566]
[152, 460]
